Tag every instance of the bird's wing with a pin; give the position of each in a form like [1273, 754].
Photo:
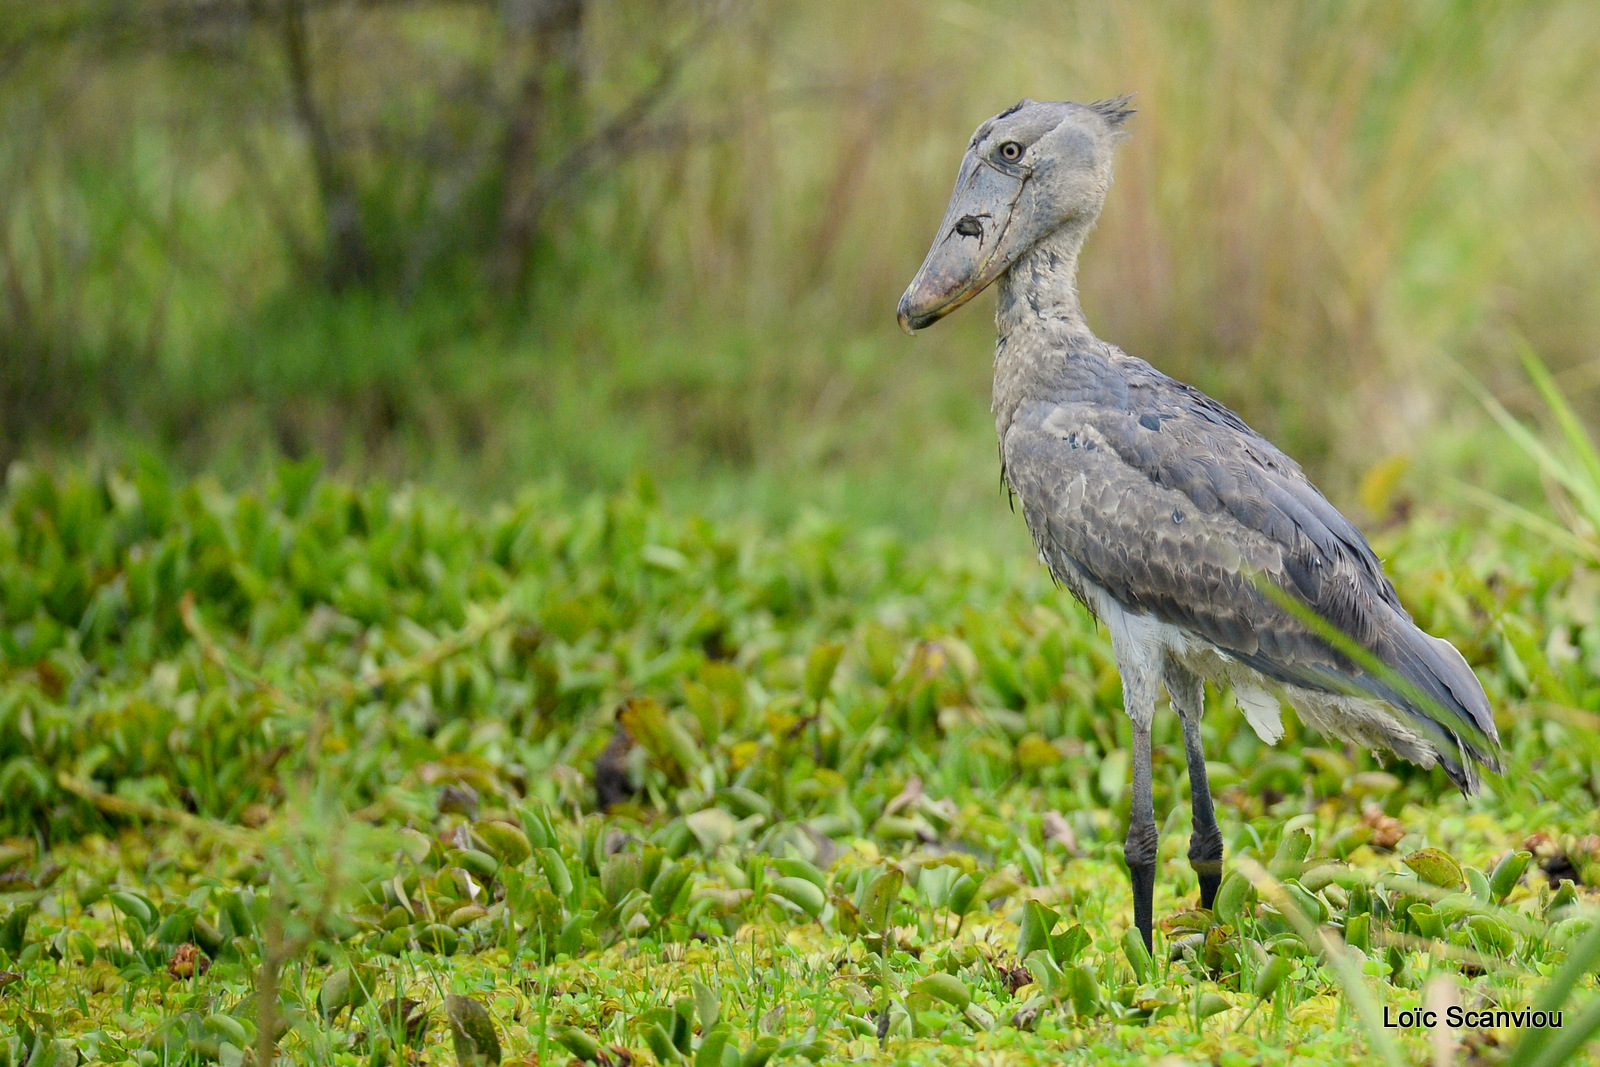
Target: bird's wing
[1176, 508]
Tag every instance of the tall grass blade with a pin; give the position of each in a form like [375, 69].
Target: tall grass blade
[1460, 725]
[1334, 952]
[1530, 520]
[1579, 471]
[1572, 429]
[1537, 1048]
[1551, 464]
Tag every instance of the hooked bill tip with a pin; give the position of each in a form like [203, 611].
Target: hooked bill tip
[903, 314]
[911, 320]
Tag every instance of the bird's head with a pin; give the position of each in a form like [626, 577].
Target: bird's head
[1028, 171]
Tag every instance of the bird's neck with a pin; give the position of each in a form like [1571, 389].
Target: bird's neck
[1039, 320]
[1040, 290]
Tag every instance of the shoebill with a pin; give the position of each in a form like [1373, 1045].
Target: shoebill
[1204, 551]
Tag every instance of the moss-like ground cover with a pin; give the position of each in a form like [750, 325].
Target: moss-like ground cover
[270, 760]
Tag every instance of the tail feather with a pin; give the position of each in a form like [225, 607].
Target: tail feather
[1448, 704]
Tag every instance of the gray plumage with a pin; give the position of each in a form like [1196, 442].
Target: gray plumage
[1144, 488]
[1204, 549]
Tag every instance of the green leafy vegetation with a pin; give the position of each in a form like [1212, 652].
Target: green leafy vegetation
[656, 761]
[315, 766]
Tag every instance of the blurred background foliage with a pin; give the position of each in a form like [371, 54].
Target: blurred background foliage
[479, 242]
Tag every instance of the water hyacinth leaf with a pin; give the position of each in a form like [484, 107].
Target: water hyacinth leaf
[1066, 946]
[1437, 868]
[1566, 932]
[1034, 934]
[805, 895]
[555, 871]
[1492, 934]
[342, 989]
[536, 824]
[706, 1002]
[83, 946]
[1318, 878]
[821, 663]
[619, 876]
[580, 1044]
[236, 906]
[438, 939]
[1426, 920]
[759, 1053]
[1454, 906]
[716, 1049]
[1291, 854]
[1565, 894]
[945, 987]
[671, 746]
[747, 802]
[1357, 932]
[473, 1031]
[1113, 774]
[664, 558]
[177, 927]
[879, 898]
[227, 1028]
[504, 842]
[1507, 873]
[133, 906]
[669, 883]
[712, 827]
[978, 1017]
[415, 844]
[934, 884]
[1138, 956]
[1270, 977]
[683, 1013]
[1047, 973]
[1084, 990]
[1232, 898]
[475, 862]
[1347, 840]
[661, 1045]
[673, 840]
[576, 934]
[964, 894]
[1208, 1004]
[1310, 905]
[1034, 752]
[799, 868]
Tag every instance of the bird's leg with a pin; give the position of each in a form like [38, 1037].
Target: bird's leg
[1141, 679]
[1205, 844]
[1188, 693]
[1140, 848]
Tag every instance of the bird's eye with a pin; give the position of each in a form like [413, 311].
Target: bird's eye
[1011, 151]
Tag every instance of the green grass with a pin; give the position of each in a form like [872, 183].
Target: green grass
[871, 776]
[1314, 205]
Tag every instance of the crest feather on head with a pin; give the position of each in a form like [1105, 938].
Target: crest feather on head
[1115, 110]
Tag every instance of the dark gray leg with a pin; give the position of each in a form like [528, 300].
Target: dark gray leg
[1140, 664]
[1140, 848]
[1205, 845]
